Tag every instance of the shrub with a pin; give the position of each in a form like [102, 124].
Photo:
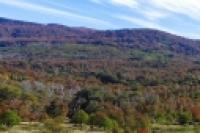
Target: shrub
[107, 123]
[55, 109]
[107, 78]
[54, 125]
[143, 130]
[130, 124]
[164, 118]
[97, 118]
[9, 92]
[184, 118]
[101, 120]
[3, 127]
[143, 121]
[196, 113]
[80, 117]
[10, 118]
[110, 124]
[114, 112]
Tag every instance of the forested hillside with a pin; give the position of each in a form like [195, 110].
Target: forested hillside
[121, 81]
[18, 32]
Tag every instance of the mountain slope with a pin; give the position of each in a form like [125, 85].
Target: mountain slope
[19, 32]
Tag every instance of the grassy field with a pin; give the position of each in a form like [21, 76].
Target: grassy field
[176, 129]
[26, 127]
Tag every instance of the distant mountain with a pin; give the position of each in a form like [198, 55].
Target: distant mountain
[19, 32]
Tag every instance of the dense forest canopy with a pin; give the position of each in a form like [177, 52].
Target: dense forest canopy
[124, 81]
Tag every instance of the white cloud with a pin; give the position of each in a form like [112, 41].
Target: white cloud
[127, 3]
[145, 23]
[159, 8]
[96, 1]
[154, 15]
[190, 8]
[53, 11]
[136, 6]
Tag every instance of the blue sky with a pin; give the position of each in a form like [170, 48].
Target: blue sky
[180, 17]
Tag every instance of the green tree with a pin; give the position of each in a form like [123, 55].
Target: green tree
[54, 109]
[184, 118]
[102, 120]
[80, 117]
[10, 118]
[109, 124]
[9, 92]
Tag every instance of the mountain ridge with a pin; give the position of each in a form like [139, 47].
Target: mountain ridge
[21, 32]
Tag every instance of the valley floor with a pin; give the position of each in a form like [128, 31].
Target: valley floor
[35, 127]
[176, 128]
[26, 127]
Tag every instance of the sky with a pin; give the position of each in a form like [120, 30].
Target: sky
[181, 17]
